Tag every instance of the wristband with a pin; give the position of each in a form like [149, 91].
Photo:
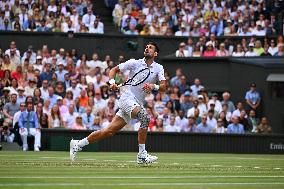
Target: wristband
[111, 82]
[156, 87]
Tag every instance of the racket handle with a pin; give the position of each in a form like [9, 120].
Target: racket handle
[120, 85]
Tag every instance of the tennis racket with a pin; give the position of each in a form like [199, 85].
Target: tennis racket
[137, 78]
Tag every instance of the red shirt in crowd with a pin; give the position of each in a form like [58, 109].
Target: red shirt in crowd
[209, 53]
[1, 74]
[16, 75]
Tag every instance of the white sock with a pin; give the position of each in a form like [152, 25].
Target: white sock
[83, 142]
[141, 147]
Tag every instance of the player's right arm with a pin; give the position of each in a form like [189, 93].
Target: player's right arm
[112, 74]
[122, 67]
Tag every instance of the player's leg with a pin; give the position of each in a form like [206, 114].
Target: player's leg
[116, 124]
[144, 118]
[77, 145]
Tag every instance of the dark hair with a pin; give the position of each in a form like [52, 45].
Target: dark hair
[154, 44]
[211, 111]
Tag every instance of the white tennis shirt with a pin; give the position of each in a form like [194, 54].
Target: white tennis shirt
[134, 66]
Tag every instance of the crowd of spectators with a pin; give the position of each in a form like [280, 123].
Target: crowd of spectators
[49, 88]
[212, 47]
[75, 16]
[198, 18]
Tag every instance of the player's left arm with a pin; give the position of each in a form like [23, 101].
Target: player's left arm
[148, 87]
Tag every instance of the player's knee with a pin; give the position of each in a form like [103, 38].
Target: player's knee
[144, 118]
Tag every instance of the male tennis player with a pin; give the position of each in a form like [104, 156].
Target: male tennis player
[130, 103]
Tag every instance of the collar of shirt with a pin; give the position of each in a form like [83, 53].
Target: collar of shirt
[144, 63]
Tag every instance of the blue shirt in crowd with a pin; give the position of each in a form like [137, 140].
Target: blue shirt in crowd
[253, 96]
[204, 128]
[235, 128]
[60, 75]
[53, 100]
[28, 120]
[88, 120]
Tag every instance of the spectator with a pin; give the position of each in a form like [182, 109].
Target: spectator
[47, 74]
[62, 108]
[226, 100]
[88, 18]
[37, 96]
[172, 127]
[197, 52]
[6, 134]
[78, 124]
[97, 27]
[263, 127]
[187, 103]
[244, 121]
[203, 127]
[29, 90]
[55, 119]
[182, 31]
[11, 108]
[88, 118]
[21, 97]
[132, 30]
[190, 47]
[222, 51]
[42, 117]
[217, 104]
[251, 51]
[273, 49]
[70, 117]
[190, 127]
[211, 121]
[253, 99]
[235, 127]
[97, 124]
[181, 121]
[100, 103]
[253, 121]
[182, 52]
[210, 51]
[266, 53]
[175, 81]
[280, 50]
[219, 127]
[28, 124]
[196, 87]
[258, 48]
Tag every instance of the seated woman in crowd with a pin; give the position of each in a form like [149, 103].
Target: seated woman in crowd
[68, 98]
[78, 124]
[37, 96]
[55, 120]
[239, 51]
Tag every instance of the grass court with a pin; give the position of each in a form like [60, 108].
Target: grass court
[119, 170]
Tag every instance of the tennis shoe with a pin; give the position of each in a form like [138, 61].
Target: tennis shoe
[74, 148]
[145, 158]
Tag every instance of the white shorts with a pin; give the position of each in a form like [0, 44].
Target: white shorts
[126, 104]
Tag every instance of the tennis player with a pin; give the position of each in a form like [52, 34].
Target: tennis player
[130, 103]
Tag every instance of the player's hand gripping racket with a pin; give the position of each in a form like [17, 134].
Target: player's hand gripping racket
[137, 78]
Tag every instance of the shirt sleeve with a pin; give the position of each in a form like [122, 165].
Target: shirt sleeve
[247, 96]
[161, 74]
[21, 124]
[36, 121]
[128, 65]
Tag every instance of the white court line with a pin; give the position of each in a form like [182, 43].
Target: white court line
[137, 184]
[137, 177]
